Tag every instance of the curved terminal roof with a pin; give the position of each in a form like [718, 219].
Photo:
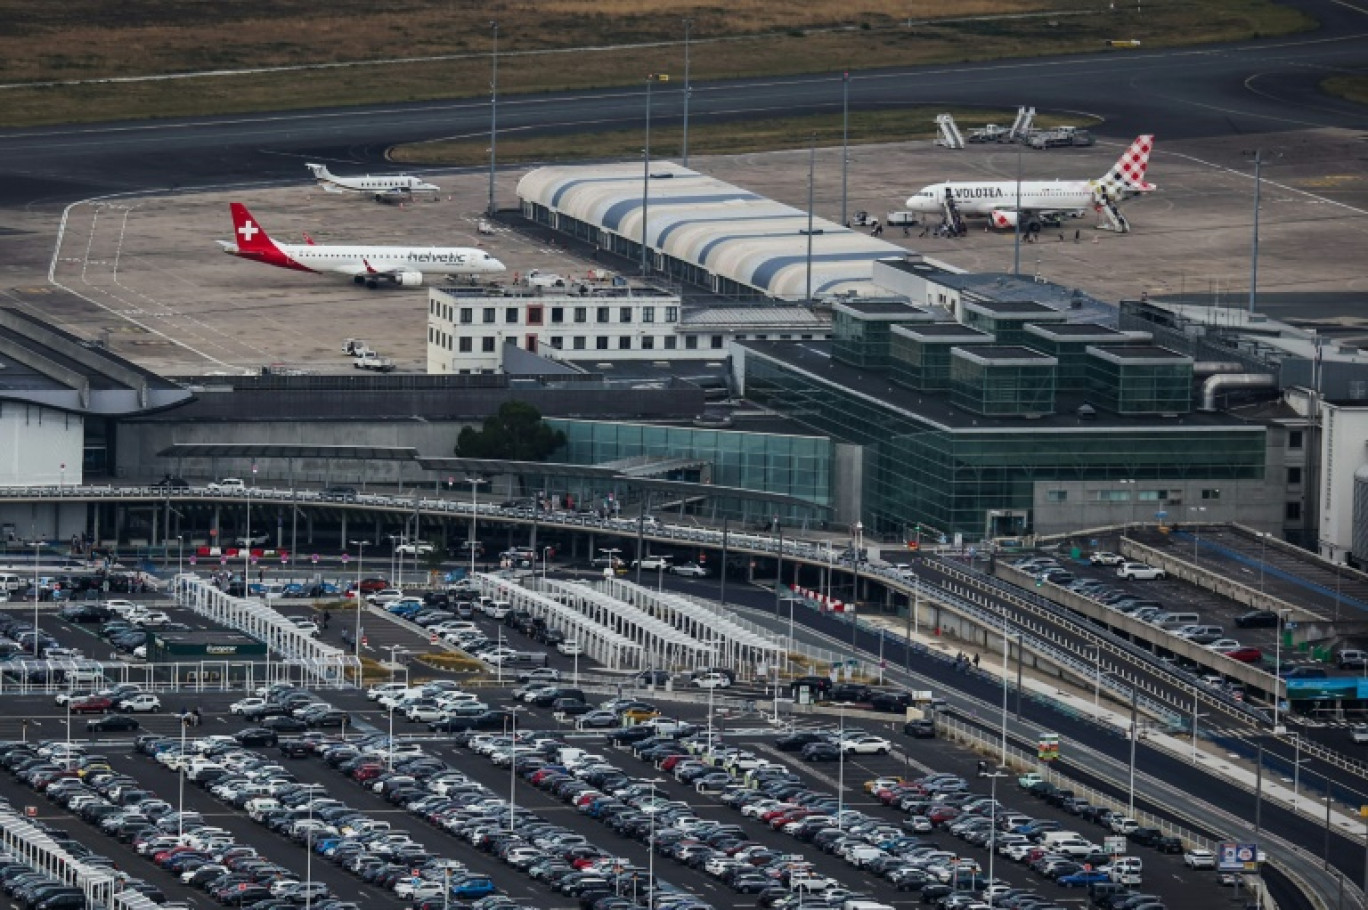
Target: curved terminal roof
[727, 231]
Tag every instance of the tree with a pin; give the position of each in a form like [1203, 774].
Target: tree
[516, 433]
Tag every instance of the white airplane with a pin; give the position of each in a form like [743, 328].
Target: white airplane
[1043, 201]
[385, 188]
[369, 265]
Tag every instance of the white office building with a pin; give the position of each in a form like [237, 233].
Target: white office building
[470, 329]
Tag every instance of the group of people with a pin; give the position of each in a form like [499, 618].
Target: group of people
[192, 717]
[962, 662]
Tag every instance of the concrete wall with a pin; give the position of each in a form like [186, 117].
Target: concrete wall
[40, 446]
[847, 482]
[1256, 504]
[138, 445]
[1345, 430]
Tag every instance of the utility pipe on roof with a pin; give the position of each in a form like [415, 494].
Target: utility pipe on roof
[1226, 381]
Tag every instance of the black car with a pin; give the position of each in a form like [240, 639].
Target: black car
[295, 748]
[285, 724]
[338, 494]
[82, 613]
[920, 729]
[820, 752]
[111, 723]
[170, 482]
[794, 742]
[1257, 619]
[256, 736]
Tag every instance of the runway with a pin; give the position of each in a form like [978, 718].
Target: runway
[1257, 87]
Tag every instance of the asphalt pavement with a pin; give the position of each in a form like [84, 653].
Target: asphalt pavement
[1263, 86]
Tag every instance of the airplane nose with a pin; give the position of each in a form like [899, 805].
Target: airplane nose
[495, 265]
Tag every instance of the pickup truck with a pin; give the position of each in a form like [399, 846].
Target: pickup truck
[370, 360]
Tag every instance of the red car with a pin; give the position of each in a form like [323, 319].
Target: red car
[1245, 655]
[91, 704]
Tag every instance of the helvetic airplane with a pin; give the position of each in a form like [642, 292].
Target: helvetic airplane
[393, 188]
[369, 265]
[1043, 200]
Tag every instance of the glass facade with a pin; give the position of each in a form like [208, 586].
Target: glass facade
[862, 332]
[798, 466]
[921, 361]
[994, 380]
[951, 477]
[1009, 326]
[1140, 380]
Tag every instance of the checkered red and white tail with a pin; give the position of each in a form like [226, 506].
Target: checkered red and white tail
[1127, 176]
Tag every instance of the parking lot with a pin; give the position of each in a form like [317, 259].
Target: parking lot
[1165, 876]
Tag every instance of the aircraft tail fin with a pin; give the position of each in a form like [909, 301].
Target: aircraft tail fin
[250, 236]
[1127, 175]
[319, 170]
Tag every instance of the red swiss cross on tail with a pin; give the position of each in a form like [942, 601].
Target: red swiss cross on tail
[249, 235]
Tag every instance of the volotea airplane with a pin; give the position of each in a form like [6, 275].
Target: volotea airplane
[1038, 202]
[372, 266]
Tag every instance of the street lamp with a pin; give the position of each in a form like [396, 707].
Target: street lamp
[840, 768]
[1195, 527]
[180, 796]
[1263, 549]
[1195, 716]
[546, 561]
[37, 548]
[646, 167]
[1129, 486]
[1277, 670]
[992, 843]
[393, 666]
[180, 554]
[360, 557]
[474, 511]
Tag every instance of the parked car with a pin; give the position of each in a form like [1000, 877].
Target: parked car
[1257, 619]
[1197, 858]
[1104, 558]
[1134, 571]
[690, 569]
[111, 723]
[228, 485]
[142, 703]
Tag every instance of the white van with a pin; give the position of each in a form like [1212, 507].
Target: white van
[1054, 837]
[10, 583]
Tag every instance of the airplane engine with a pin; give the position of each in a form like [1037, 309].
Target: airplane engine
[1002, 220]
[1008, 219]
[408, 279]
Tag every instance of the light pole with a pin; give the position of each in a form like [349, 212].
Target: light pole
[180, 554]
[390, 744]
[1196, 528]
[1134, 738]
[845, 145]
[840, 769]
[1195, 717]
[646, 168]
[308, 858]
[688, 90]
[180, 794]
[493, 111]
[474, 512]
[1130, 500]
[356, 642]
[546, 561]
[1277, 670]
[1097, 677]
[1006, 659]
[37, 548]
[1263, 550]
[992, 843]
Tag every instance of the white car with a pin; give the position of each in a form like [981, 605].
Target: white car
[652, 563]
[1224, 644]
[1197, 858]
[385, 596]
[228, 485]
[247, 706]
[152, 618]
[866, 745]
[1139, 571]
[570, 647]
[711, 681]
[142, 703]
[690, 569]
[1104, 558]
[421, 548]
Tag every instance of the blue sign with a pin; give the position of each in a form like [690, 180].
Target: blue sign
[1355, 687]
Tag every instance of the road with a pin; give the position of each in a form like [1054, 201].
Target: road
[1255, 87]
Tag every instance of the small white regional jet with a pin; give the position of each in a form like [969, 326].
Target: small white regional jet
[385, 188]
[1044, 200]
[369, 265]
